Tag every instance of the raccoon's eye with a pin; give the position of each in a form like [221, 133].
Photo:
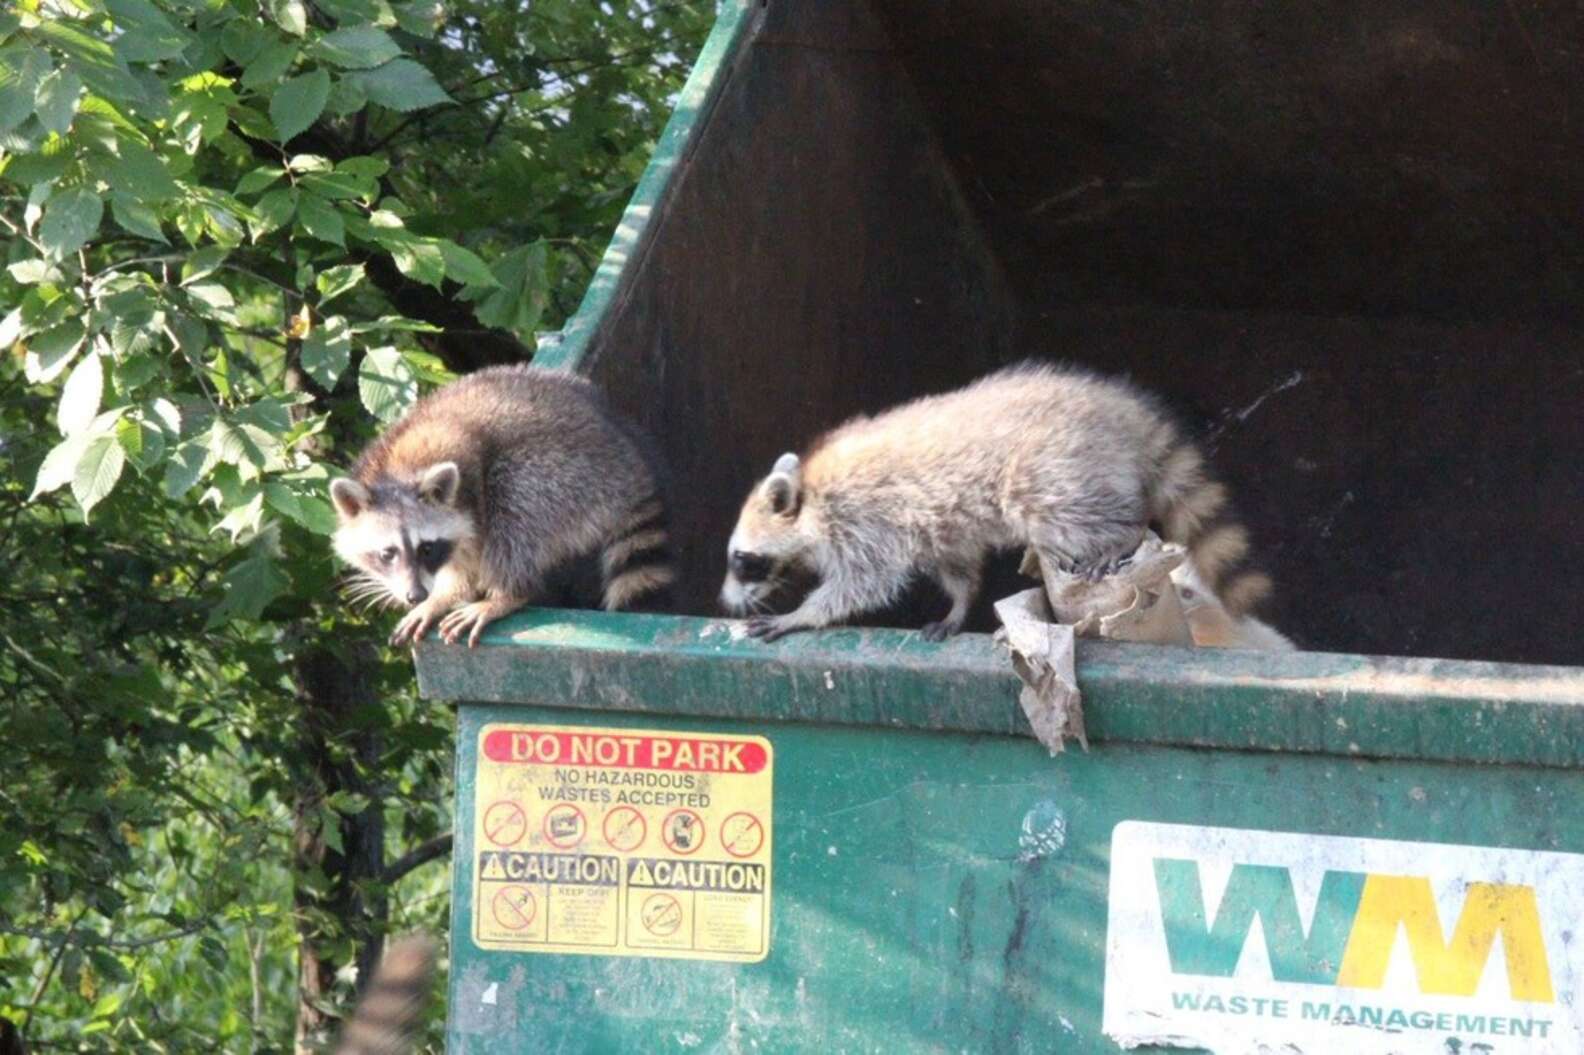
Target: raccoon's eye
[425, 550]
[387, 555]
[749, 567]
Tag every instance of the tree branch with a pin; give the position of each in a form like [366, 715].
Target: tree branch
[422, 854]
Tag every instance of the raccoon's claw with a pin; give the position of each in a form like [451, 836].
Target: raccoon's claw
[1105, 568]
[470, 619]
[939, 630]
[1095, 570]
[768, 628]
[413, 626]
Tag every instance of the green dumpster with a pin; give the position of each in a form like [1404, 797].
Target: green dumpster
[1344, 239]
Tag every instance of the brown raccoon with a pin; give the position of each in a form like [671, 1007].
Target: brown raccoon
[465, 508]
[386, 1018]
[1070, 463]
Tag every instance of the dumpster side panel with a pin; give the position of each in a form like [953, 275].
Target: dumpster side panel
[947, 892]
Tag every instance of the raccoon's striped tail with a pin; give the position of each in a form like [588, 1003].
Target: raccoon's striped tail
[1192, 510]
[636, 565]
[387, 1017]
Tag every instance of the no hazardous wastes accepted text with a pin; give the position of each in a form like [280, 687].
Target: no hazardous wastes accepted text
[622, 842]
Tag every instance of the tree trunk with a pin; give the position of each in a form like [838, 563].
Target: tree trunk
[339, 894]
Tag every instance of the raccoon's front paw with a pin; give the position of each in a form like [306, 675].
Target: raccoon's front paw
[769, 627]
[471, 619]
[941, 629]
[415, 624]
[1094, 570]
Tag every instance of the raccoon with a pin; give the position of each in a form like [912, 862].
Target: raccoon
[386, 1018]
[466, 507]
[1071, 463]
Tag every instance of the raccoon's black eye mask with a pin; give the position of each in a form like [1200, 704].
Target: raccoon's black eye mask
[749, 567]
[433, 554]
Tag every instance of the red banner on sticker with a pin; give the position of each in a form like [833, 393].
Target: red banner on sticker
[683, 754]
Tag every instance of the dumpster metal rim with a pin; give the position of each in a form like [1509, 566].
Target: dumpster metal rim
[644, 213]
[1308, 702]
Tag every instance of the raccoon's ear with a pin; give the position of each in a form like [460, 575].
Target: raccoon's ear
[784, 487]
[440, 483]
[349, 496]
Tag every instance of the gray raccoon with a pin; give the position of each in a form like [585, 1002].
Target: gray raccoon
[465, 507]
[386, 1018]
[1070, 463]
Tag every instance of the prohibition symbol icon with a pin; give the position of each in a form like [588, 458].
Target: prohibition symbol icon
[661, 915]
[565, 825]
[624, 829]
[505, 823]
[513, 907]
[683, 831]
[742, 834]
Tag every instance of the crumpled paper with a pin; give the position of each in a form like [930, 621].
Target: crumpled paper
[1136, 603]
[1042, 655]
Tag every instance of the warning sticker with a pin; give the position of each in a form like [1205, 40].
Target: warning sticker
[622, 842]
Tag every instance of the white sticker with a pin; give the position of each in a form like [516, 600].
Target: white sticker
[1243, 941]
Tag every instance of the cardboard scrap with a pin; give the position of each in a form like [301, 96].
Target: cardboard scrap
[1136, 603]
[1042, 655]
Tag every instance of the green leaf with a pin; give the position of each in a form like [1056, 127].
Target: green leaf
[357, 47]
[326, 351]
[464, 266]
[259, 178]
[402, 84]
[339, 185]
[59, 464]
[143, 442]
[311, 512]
[243, 39]
[273, 211]
[335, 281]
[135, 217]
[299, 102]
[80, 396]
[246, 517]
[56, 100]
[421, 18]
[141, 173]
[248, 588]
[97, 472]
[70, 219]
[386, 384]
[203, 263]
[418, 260]
[50, 352]
[320, 219]
[524, 290]
[212, 300]
[33, 270]
[105, 72]
[190, 462]
[21, 72]
[147, 35]
[270, 65]
[290, 15]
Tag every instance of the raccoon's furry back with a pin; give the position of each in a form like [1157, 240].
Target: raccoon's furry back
[550, 473]
[1034, 437]
[386, 1018]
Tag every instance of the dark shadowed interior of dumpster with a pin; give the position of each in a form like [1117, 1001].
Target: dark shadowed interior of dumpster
[1344, 241]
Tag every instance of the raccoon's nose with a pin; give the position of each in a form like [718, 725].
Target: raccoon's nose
[417, 595]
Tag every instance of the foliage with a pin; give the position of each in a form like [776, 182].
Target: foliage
[239, 236]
